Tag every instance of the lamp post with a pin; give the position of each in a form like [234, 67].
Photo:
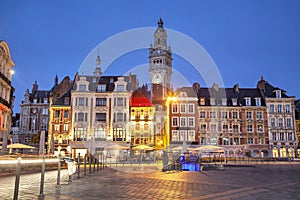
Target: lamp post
[59, 167]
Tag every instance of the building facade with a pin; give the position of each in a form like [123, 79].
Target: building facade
[141, 119]
[59, 133]
[6, 94]
[100, 110]
[34, 116]
[281, 120]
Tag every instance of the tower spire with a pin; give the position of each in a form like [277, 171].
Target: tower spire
[97, 71]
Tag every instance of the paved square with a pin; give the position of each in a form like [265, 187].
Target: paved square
[141, 182]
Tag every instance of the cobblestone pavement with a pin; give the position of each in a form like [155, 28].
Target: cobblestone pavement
[259, 182]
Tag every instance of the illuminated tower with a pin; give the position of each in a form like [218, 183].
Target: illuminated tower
[160, 61]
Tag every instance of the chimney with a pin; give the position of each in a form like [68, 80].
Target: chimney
[261, 84]
[196, 87]
[236, 88]
[35, 87]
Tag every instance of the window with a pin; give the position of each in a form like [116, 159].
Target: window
[175, 135]
[213, 127]
[137, 127]
[146, 127]
[101, 88]
[100, 101]
[250, 140]
[120, 101]
[290, 136]
[235, 115]
[120, 88]
[81, 116]
[258, 115]
[119, 117]
[202, 101]
[191, 121]
[66, 127]
[183, 135]
[182, 108]
[257, 102]
[34, 100]
[212, 102]
[224, 102]
[100, 117]
[248, 101]
[45, 100]
[261, 141]
[278, 93]
[287, 108]
[174, 121]
[202, 114]
[225, 127]
[45, 111]
[272, 108]
[235, 128]
[175, 108]
[56, 127]
[260, 128]
[212, 114]
[66, 114]
[191, 108]
[236, 141]
[57, 114]
[234, 102]
[203, 127]
[80, 101]
[289, 122]
[66, 100]
[249, 128]
[249, 115]
[281, 136]
[274, 136]
[279, 108]
[182, 121]
[224, 115]
[273, 124]
[100, 133]
[280, 122]
[82, 87]
[191, 135]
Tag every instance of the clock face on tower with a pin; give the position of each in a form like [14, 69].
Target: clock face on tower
[157, 78]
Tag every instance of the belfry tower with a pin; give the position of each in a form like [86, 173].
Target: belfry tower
[160, 61]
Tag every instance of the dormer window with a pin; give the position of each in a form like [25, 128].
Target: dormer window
[278, 93]
[248, 101]
[82, 87]
[257, 102]
[182, 94]
[224, 102]
[202, 101]
[101, 88]
[234, 102]
[120, 88]
[212, 101]
[111, 80]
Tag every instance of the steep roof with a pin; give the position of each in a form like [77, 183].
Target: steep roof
[139, 100]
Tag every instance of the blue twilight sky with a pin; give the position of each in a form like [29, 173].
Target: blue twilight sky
[246, 39]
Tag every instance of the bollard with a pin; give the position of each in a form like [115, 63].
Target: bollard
[98, 162]
[17, 181]
[78, 164]
[94, 160]
[42, 178]
[90, 163]
[58, 172]
[84, 166]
